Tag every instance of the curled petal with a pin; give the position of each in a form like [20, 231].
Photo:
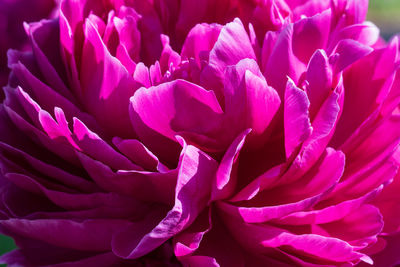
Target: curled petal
[192, 193]
[296, 118]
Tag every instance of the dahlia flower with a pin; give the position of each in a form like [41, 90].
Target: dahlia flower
[202, 133]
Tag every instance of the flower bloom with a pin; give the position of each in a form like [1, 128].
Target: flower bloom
[12, 14]
[202, 133]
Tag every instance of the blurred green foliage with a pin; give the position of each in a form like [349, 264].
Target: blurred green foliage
[386, 15]
[384, 4]
[6, 244]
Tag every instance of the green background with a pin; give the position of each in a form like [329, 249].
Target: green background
[6, 244]
[384, 13]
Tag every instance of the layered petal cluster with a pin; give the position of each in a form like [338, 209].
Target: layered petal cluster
[12, 15]
[202, 133]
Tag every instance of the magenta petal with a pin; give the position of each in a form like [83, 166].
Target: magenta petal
[169, 59]
[48, 30]
[368, 153]
[349, 51]
[101, 260]
[295, 196]
[262, 237]
[366, 33]
[387, 202]
[191, 12]
[71, 34]
[233, 45]
[355, 10]
[282, 62]
[269, 16]
[30, 107]
[258, 184]
[217, 247]
[155, 73]
[262, 100]
[265, 214]
[328, 214]
[389, 256]
[89, 235]
[46, 96]
[90, 143]
[150, 133]
[73, 201]
[200, 261]
[141, 75]
[59, 148]
[106, 84]
[56, 129]
[267, 48]
[150, 29]
[393, 96]
[123, 55]
[367, 87]
[58, 174]
[360, 228]
[186, 107]
[73, 12]
[328, 248]
[189, 240]
[248, 98]
[129, 35]
[226, 176]
[191, 196]
[310, 34]
[200, 41]
[319, 78]
[367, 179]
[139, 154]
[321, 178]
[323, 129]
[41, 254]
[296, 118]
[146, 186]
[308, 8]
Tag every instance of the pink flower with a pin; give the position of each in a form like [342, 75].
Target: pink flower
[202, 133]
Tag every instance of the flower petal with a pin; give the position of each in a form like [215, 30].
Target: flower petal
[296, 118]
[106, 84]
[192, 193]
[233, 45]
[174, 108]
